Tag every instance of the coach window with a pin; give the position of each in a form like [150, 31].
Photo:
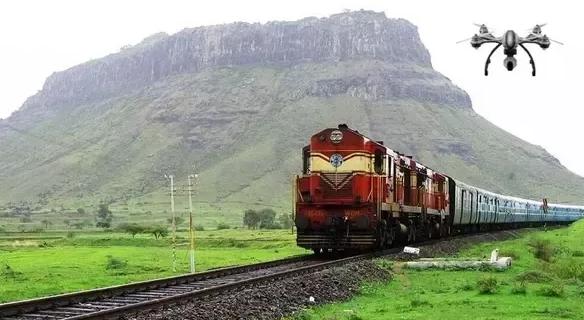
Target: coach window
[378, 162]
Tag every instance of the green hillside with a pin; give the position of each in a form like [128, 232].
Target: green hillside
[242, 127]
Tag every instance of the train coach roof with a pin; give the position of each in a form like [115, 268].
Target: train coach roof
[517, 199]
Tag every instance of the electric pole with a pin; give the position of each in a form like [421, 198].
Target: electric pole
[171, 177]
[191, 230]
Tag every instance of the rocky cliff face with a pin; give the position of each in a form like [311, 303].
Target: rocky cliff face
[340, 37]
[240, 101]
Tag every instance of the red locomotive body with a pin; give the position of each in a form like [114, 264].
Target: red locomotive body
[355, 193]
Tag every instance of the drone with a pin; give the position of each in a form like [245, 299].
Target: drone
[510, 41]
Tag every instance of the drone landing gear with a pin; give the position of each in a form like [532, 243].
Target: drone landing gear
[489, 59]
[531, 61]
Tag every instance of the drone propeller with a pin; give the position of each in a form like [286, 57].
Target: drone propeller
[537, 28]
[556, 41]
[465, 40]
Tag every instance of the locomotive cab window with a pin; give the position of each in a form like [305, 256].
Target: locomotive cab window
[378, 162]
[306, 160]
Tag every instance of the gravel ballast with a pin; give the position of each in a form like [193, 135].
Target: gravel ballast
[277, 299]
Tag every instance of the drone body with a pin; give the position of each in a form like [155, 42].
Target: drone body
[510, 41]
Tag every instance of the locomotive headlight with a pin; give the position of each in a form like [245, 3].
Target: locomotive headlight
[336, 136]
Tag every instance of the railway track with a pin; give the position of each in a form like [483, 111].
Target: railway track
[112, 302]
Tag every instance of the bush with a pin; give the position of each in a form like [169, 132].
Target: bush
[542, 249]
[418, 302]
[577, 253]
[7, 272]
[114, 263]
[487, 285]
[569, 268]
[70, 234]
[519, 288]
[534, 276]
[199, 228]
[556, 290]
[223, 226]
[466, 286]
[385, 264]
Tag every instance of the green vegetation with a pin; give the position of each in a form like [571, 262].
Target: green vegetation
[262, 219]
[546, 281]
[246, 152]
[40, 264]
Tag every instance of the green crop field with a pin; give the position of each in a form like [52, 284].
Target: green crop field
[549, 286]
[33, 265]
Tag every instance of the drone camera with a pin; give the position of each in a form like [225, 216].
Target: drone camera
[510, 63]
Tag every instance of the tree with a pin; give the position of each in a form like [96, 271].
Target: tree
[267, 218]
[67, 222]
[104, 216]
[251, 219]
[158, 232]
[80, 211]
[286, 220]
[264, 219]
[131, 228]
[46, 223]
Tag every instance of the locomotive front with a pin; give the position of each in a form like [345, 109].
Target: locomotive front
[339, 193]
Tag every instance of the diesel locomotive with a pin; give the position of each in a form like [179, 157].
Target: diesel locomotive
[356, 193]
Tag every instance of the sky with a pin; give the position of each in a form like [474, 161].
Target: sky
[39, 37]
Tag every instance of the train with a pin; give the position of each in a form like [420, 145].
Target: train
[355, 193]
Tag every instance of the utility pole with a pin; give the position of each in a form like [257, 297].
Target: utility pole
[191, 230]
[171, 177]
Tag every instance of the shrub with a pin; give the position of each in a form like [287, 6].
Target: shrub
[7, 272]
[555, 290]
[533, 276]
[418, 302]
[542, 249]
[569, 268]
[487, 285]
[70, 234]
[519, 288]
[114, 263]
[385, 264]
[577, 253]
[354, 316]
[467, 286]
[199, 228]
[223, 226]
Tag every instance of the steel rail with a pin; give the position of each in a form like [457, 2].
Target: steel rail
[115, 301]
[25, 306]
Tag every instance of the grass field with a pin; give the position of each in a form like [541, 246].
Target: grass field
[532, 288]
[33, 265]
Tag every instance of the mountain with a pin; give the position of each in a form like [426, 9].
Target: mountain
[239, 101]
